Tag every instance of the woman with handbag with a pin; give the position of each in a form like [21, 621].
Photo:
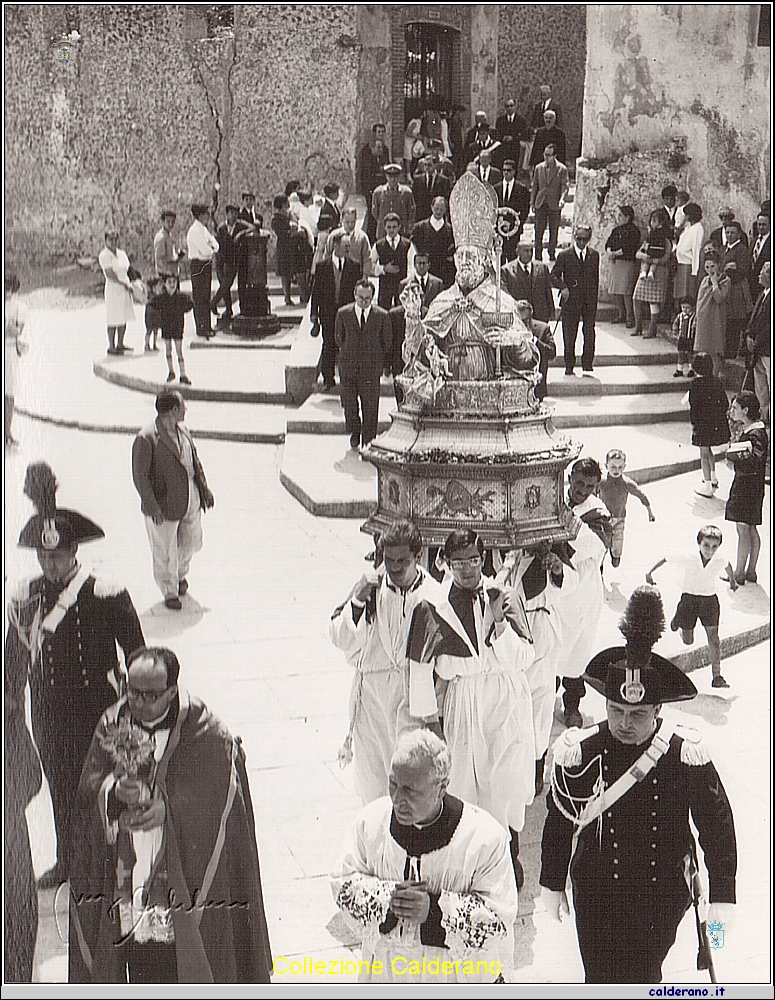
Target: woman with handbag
[118, 292]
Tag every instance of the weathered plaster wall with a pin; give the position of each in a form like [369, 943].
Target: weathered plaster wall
[660, 71]
[147, 112]
[544, 43]
[294, 90]
[374, 74]
[484, 58]
[119, 129]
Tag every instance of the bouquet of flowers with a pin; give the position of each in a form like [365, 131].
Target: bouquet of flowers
[128, 745]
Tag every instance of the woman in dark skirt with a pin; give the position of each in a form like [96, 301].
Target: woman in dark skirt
[622, 245]
[746, 495]
[291, 261]
[710, 428]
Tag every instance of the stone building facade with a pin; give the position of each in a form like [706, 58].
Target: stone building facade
[674, 93]
[114, 111]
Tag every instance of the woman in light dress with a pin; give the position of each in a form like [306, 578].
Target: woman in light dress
[15, 320]
[118, 292]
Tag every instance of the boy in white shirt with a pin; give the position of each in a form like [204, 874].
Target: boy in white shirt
[699, 598]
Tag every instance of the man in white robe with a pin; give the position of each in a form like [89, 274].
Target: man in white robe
[478, 642]
[428, 878]
[581, 604]
[371, 628]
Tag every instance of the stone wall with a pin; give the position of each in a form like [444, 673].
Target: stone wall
[294, 96]
[142, 110]
[94, 134]
[687, 82]
[544, 43]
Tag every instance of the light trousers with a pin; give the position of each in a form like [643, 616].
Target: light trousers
[173, 543]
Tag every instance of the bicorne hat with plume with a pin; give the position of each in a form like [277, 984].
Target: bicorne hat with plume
[52, 527]
[633, 674]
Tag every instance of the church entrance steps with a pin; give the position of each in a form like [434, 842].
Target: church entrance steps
[617, 411]
[617, 380]
[218, 377]
[329, 480]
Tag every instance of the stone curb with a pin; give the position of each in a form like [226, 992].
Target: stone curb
[188, 392]
[696, 659]
[244, 437]
[335, 508]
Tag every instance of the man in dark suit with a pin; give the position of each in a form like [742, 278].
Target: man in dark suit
[249, 212]
[548, 135]
[429, 284]
[389, 261]
[516, 196]
[230, 236]
[485, 171]
[511, 129]
[434, 237]
[428, 185]
[577, 275]
[529, 280]
[330, 217]
[760, 253]
[375, 155]
[547, 103]
[479, 136]
[364, 339]
[334, 287]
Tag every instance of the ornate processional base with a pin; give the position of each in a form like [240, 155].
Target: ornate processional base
[484, 455]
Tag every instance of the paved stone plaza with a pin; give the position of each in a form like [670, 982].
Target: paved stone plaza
[253, 640]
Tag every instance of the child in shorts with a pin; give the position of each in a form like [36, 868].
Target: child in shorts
[614, 490]
[684, 326]
[152, 315]
[699, 598]
[173, 306]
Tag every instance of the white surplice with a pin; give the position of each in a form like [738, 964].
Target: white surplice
[380, 707]
[477, 895]
[488, 715]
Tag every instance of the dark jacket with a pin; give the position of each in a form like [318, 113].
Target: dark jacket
[171, 310]
[325, 301]
[543, 137]
[625, 238]
[427, 187]
[387, 255]
[535, 287]
[581, 280]
[228, 245]
[363, 355]
[161, 478]
[77, 674]
[433, 286]
[440, 247]
[628, 870]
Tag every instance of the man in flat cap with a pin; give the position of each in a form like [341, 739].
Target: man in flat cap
[64, 626]
[393, 197]
[625, 789]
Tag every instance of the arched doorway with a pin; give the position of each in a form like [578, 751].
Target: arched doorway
[429, 72]
[431, 67]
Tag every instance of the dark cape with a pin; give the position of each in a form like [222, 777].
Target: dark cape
[203, 767]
